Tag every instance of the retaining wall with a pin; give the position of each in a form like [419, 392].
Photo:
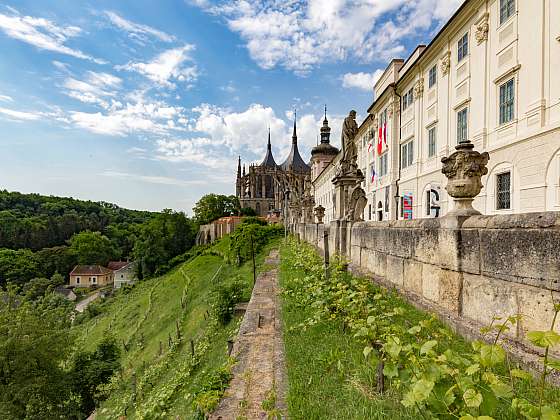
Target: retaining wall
[467, 270]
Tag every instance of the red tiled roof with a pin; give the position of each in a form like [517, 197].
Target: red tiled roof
[116, 265]
[90, 270]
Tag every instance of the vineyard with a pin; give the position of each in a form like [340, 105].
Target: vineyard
[175, 361]
[355, 350]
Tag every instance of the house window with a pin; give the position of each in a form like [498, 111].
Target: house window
[463, 47]
[94, 280]
[432, 142]
[122, 276]
[462, 125]
[77, 280]
[432, 77]
[507, 99]
[507, 9]
[369, 211]
[407, 154]
[407, 99]
[503, 191]
[383, 165]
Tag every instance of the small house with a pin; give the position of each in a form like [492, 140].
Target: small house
[124, 272]
[90, 276]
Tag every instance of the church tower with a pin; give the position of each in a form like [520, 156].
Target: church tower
[323, 153]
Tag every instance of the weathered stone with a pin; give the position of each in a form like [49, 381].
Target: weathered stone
[450, 289]
[413, 276]
[430, 282]
[485, 298]
[536, 308]
[395, 270]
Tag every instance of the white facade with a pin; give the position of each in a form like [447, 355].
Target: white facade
[492, 76]
[124, 275]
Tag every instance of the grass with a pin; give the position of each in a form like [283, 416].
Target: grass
[328, 376]
[143, 320]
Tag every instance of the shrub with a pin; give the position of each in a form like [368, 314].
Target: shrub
[226, 297]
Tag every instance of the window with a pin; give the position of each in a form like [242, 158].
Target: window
[463, 47]
[503, 191]
[507, 9]
[383, 165]
[369, 211]
[432, 142]
[462, 125]
[77, 280]
[407, 154]
[432, 76]
[94, 280]
[387, 198]
[507, 99]
[407, 99]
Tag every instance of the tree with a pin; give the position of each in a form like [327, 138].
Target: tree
[35, 341]
[17, 266]
[213, 206]
[247, 211]
[93, 248]
[93, 369]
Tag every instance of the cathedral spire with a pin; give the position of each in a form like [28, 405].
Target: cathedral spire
[239, 167]
[325, 129]
[294, 135]
[269, 146]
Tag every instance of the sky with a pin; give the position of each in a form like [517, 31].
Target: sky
[148, 104]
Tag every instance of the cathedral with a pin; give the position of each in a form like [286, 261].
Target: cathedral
[285, 189]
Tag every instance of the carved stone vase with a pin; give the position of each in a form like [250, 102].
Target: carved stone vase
[464, 170]
[319, 213]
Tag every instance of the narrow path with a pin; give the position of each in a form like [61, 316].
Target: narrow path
[259, 375]
[82, 305]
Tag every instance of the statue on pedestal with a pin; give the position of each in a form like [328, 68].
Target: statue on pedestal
[348, 164]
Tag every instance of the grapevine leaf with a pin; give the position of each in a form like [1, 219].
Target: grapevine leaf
[472, 398]
[414, 330]
[370, 319]
[544, 338]
[554, 363]
[549, 413]
[367, 351]
[421, 390]
[502, 390]
[393, 347]
[518, 373]
[428, 346]
[491, 355]
[390, 370]
[472, 369]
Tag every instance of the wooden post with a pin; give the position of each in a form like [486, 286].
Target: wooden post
[160, 348]
[169, 341]
[178, 330]
[192, 348]
[229, 347]
[380, 377]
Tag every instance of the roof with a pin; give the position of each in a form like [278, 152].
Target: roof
[294, 161]
[325, 147]
[117, 265]
[269, 161]
[90, 270]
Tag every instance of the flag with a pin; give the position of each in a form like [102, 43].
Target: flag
[369, 146]
[379, 141]
[372, 174]
[385, 133]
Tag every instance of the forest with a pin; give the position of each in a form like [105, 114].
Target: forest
[41, 236]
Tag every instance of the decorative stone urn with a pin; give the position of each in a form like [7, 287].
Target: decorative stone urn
[464, 170]
[319, 213]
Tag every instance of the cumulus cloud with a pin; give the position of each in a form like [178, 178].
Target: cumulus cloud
[6, 98]
[43, 34]
[361, 80]
[167, 67]
[136, 30]
[301, 35]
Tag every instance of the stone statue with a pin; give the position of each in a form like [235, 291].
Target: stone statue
[319, 213]
[464, 170]
[349, 151]
[356, 205]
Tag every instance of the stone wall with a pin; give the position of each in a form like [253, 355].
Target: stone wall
[467, 270]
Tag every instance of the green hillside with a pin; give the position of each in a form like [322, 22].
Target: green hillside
[159, 380]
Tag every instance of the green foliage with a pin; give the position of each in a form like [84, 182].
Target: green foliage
[252, 220]
[213, 206]
[93, 248]
[226, 296]
[212, 387]
[18, 266]
[247, 211]
[251, 237]
[92, 369]
[165, 237]
[420, 359]
[35, 341]
[38, 287]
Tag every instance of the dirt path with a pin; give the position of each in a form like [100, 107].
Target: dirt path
[82, 305]
[259, 377]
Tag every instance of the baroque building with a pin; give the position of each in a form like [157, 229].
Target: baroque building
[487, 77]
[269, 188]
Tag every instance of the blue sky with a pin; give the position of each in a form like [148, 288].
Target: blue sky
[148, 104]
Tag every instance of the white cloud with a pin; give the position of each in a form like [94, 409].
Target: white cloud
[6, 98]
[167, 67]
[301, 35]
[155, 179]
[43, 34]
[20, 115]
[95, 89]
[361, 80]
[136, 30]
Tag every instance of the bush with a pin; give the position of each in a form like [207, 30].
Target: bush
[251, 237]
[213, 385]
[226, 297]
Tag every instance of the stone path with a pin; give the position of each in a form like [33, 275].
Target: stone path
[259, 374]
[82, 305]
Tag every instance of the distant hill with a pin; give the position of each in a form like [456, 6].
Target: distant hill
[35, 221]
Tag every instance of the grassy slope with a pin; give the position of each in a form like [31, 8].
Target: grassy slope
[146, 316]
[329, 377]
